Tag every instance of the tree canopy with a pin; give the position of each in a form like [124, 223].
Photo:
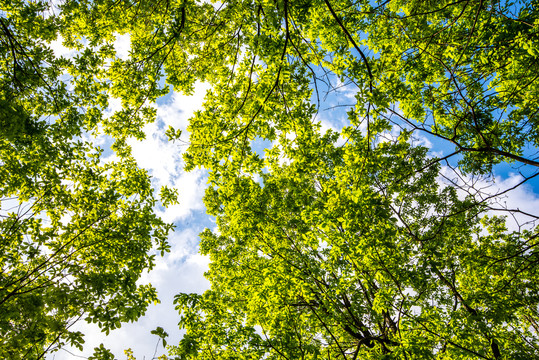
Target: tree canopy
[76, 231]
[345, 243]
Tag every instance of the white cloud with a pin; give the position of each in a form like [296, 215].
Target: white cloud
[515, 203]
[157, 155]
[180, 108]
[114, 105]
[60, 50]
[122, 45]
[191, 188]
[164, 160]
[418, 139]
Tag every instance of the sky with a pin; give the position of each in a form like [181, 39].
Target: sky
[182, 270]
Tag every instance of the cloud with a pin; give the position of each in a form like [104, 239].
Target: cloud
[60, 50]
[191, 187]
[163, 159]
[122, 45]
[517, 201]
[179, 108]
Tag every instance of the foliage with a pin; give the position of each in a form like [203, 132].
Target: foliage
[349, 248]
[330, 244]
[463, 72]
[76, 231]
[344, 253]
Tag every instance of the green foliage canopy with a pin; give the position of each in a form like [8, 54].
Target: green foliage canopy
[76, 232]
[332, 250]
[463, 72]
[337, 244]
[344, 253]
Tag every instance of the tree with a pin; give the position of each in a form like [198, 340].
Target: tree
[350, 250]
[76, 231]
[354, 250]
[429, 72]
[344, 253]
[463, 72]
[335, 244]
[469, 77]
